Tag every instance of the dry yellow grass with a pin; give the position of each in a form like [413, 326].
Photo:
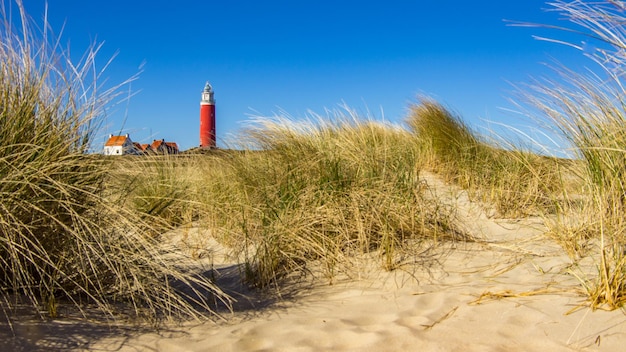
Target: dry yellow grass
[66, 237]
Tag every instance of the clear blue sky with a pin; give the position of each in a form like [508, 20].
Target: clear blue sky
[263, 57]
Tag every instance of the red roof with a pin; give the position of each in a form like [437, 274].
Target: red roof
[156, 144]
[115, 141]
[160, 145]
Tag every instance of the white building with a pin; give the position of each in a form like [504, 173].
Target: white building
[120, 145]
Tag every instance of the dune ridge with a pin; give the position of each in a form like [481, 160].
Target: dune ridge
[511, 290]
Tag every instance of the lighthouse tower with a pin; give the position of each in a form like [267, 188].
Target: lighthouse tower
[207, 118]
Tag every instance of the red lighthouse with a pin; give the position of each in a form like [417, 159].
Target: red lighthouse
[207, 118]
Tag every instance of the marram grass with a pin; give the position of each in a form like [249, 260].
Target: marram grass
[66, 240]
[307, 197]
[162, 188]
[325, 191]
[514, 182]
[586, 110]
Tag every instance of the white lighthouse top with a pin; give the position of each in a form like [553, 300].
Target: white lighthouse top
[207, 87]
[207, 95]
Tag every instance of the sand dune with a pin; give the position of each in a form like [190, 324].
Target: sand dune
[510, 291]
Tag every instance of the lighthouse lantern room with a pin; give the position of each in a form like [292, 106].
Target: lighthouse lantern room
[207, 118]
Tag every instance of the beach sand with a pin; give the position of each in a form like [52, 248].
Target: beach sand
[512, 290]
